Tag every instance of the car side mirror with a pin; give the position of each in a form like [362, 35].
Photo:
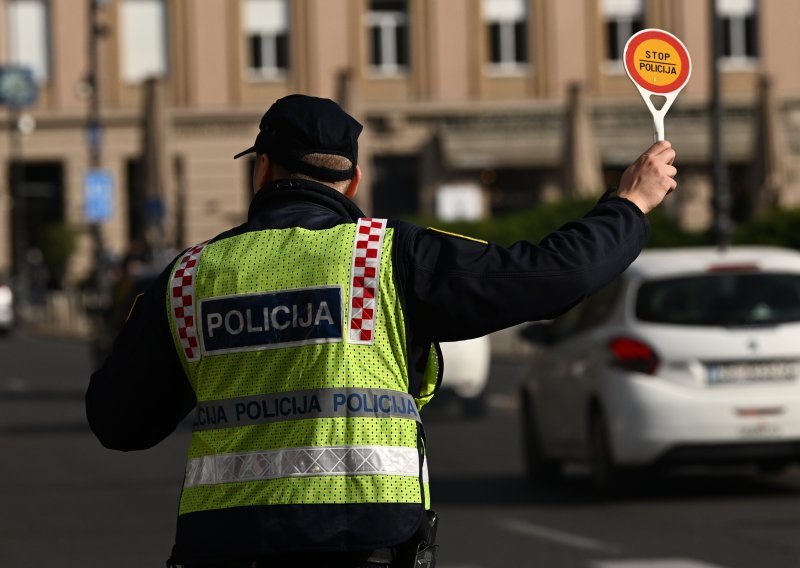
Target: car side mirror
[538, 332]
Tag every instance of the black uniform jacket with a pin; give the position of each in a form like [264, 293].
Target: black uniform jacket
[451, 288]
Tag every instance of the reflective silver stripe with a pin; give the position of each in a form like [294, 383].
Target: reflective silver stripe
[298, 405]
[303, 462]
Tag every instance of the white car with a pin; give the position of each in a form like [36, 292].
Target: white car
[692, 356]
[466, 372]
[6, 306]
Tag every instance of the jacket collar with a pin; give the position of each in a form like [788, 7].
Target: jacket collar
[293, 190]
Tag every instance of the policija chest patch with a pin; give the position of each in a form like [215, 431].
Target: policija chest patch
[269, 320]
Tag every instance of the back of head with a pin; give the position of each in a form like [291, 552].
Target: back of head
[309, 137]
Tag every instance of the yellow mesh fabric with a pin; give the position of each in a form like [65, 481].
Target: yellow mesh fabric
[298, 258]
[431, 378]
[303, 490]
[286, 259]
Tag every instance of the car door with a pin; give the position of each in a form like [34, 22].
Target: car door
[551, 369]
[577, 352]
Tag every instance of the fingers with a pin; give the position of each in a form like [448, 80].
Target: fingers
[662, 150]
[661, 156]
[659, 147]
[651, 177]
[670, 172]
[671, 184]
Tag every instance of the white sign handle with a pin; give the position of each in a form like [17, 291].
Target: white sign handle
[658, 114]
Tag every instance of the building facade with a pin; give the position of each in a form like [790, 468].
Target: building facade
[466, 104]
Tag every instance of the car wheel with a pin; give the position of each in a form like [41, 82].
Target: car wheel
[540, 468]
[607, 476]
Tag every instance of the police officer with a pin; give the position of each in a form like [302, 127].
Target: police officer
[306, 340]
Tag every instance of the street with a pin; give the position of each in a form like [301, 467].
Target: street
[68, 502]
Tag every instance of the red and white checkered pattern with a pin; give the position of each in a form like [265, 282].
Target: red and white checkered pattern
[182, 299]
[364, 280]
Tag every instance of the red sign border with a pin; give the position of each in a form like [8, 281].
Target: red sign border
[676, 44]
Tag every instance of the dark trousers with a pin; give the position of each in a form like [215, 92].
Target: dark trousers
[306, 560]
[289, 565]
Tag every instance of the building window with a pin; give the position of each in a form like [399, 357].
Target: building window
[27, 35]
[143, 41]
[739, 36]
[387, 21]
[506, 21]
[266, 26]
[622, 18]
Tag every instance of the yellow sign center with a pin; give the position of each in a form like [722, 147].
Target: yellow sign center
[657, 62]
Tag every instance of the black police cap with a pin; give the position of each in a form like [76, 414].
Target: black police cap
[298, 125]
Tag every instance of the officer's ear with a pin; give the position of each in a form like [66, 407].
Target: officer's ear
[261, 172]
[352, 188]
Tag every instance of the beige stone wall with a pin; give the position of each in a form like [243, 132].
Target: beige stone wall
[451, 47]
[780, 43]
[208, 65]
[69, 41]
[213, 108]
[218, 185]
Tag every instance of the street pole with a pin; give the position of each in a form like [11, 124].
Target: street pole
[94, 134]
[20, 212]
[721, 200]
[95, 31]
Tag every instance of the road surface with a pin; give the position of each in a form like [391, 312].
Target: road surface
[67, 502]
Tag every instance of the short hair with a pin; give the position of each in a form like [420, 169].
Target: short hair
[329, 161]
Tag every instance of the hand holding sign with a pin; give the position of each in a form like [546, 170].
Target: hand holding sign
[658, 64]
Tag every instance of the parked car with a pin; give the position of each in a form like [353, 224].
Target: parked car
[6, 306]
[466, 372]
[692, 356]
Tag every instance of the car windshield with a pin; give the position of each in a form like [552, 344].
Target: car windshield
[727, 299]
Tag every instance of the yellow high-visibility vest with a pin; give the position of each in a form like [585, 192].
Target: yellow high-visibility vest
[294, 343]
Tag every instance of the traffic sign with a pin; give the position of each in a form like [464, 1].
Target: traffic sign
[17, 86]
[658, 64]
[98, 193]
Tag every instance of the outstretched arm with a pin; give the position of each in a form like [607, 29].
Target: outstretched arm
[458, 288]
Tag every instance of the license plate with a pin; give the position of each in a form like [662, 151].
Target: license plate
[763, 372]
[760, 430]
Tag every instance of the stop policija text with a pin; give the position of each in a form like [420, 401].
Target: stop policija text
[657, 61]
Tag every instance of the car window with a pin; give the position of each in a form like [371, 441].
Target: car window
[721, 299]
[591, 312]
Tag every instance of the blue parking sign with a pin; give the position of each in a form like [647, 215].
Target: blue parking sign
[98, 193]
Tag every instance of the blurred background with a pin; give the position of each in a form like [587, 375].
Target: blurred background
[118, 142]
[497, 118]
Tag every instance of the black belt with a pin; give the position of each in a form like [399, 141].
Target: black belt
[419, 551]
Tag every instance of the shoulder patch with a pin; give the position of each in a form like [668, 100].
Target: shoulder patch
[457, 236]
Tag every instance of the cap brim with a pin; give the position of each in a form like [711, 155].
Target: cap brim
[250, 150]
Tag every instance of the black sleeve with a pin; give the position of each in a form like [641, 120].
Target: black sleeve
[455, 288]
[141, 393]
